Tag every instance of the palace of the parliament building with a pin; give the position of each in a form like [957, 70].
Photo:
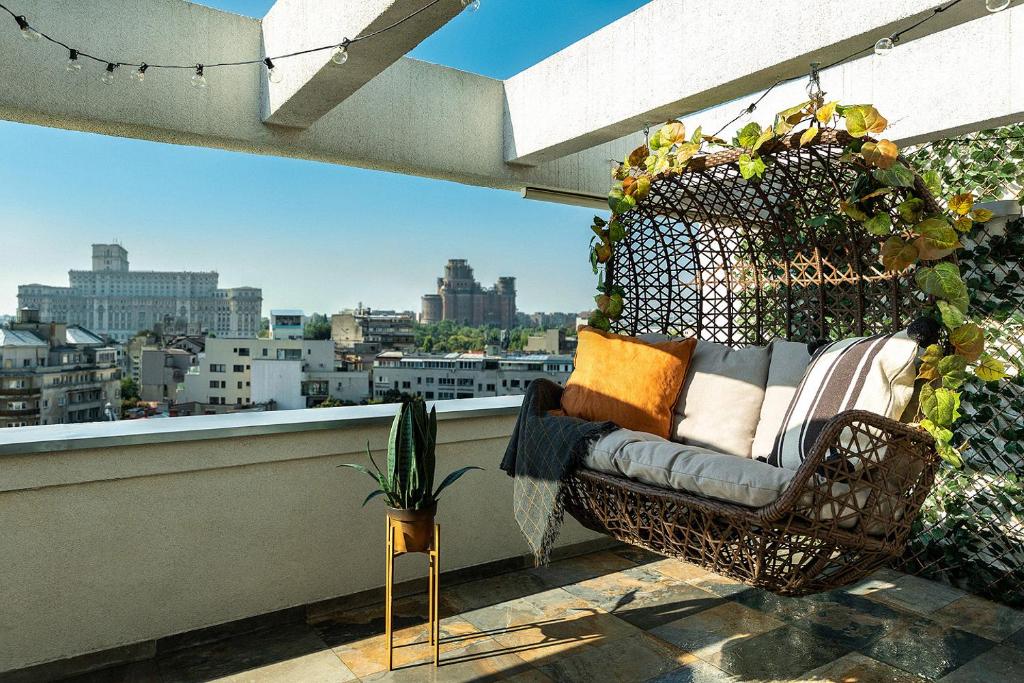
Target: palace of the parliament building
[110, 299]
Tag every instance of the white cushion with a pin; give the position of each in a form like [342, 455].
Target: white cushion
[789, 360]
[720, 403]
[875, 374]
[682, 467]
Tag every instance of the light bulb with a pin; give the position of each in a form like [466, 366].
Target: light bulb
[471, 5]
[27, 32]
[107, 77]
[198, 79]
[274, 75]
[996, 5]
[139, 75]
[340, 55]
[884, 46]
[73, 65]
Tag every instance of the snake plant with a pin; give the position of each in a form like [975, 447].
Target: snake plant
[408, 482]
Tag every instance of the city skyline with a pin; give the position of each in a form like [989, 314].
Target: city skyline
[315, 236]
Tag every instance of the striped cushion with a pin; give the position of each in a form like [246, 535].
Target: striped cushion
[875, 374]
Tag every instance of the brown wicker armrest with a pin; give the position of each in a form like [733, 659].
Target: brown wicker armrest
[867, 474]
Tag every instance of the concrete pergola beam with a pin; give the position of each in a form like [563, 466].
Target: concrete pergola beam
[674, 57]
[312, 84]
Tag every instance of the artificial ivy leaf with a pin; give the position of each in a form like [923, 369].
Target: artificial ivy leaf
[615, 304]
[990, 369]
[882, 154]
[929, 369]
[602, 301]
[880, 192]
[686, 151]
[714, 140]
[898, 255]
[599, 320]
[603, 251]
[655, 143]
[961, 203]
[600, 222]
[910, 210]
[638, 155]
[926, 399]
[748, 135]
[696, 137]
[626, 204]
[932, 182]
[782, 126]
[880, 224]
[615, 196]
[897, 175]
[943, 447]
[937, 232]
[766, 135]
[863, 119]
[826, 112]
[629, 186]
[853, 211]
[809, 135]
[941, 406]
[981, 215]
[593, 259]
[643, 187]
[751, 166]
[968, 340]
[616, 231]
[659, 162]
[952, 317]
[795, 114]
[672, 133]
[963, 223]
[620, 172]
[928, 252]
[953, 370]
[598, 230]
[943, 281]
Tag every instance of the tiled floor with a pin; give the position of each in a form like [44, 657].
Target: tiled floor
[624, 615]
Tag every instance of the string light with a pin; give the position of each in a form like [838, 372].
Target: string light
[107, 77]
[27, 32]
[198, 78]
[339, 53]
[273, 75]
[996, 5]
[885, 45]
[74, 65]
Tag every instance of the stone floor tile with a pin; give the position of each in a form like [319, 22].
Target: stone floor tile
[637, 555]
[981, 617]
[482, 661]
[719, 585]
[581, 568]
[653, 608]
[147, 671]
[552, 604]
[1017, 639]
[613, 592]
[284, 653]
[696, 671]
[411, 646]
[782, 653]
[637, 658]
[491, 591]
[339, 628]
[707, 633]
[1001, 664]
[856, 668]
[927, 648]
[910, 593]
[681, 571]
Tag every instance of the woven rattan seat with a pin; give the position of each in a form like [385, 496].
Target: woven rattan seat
[712, 255]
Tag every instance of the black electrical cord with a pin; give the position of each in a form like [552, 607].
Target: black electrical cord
[749, 109]
[23, 24]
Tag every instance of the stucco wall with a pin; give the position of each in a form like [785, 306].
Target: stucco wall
[122, 544]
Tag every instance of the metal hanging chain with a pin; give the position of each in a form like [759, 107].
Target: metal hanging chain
[895, 37]
[23, 24]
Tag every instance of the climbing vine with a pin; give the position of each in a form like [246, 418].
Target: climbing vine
[885, 198]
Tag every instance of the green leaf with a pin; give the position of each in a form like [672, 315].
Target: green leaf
[939, 233]
[932, 182]
[897, 175]
[880, 224]
[968, 340]
[943, 438]
[943, 281]
[898, 255]
[952, 317]
[863, 119]
[853, 211]
[373, 494]
[910, 210]
[809, 135]
[599, 321]
[452, 478]
[655, 142]
[616, 231]
[751, 166]
[941, 406]
[615, 196]
[360, 468]
[929, 362]
[990, 369]
[748, 135]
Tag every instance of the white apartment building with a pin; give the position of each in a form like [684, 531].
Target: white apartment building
[290, 371]
[464, 375]
[113, 300]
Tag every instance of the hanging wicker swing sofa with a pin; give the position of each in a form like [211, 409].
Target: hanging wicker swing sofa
[712, 255]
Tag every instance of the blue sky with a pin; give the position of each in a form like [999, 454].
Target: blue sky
[187, 208]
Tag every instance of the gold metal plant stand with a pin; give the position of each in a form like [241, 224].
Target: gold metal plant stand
[434, 590]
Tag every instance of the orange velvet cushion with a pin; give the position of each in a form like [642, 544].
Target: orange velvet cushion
[627, 381]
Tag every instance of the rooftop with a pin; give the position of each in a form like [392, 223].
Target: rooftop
[621, 615]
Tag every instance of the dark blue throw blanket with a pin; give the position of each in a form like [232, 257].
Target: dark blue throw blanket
[544, 449]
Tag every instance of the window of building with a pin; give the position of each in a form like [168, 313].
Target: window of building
[214, 384]
[217, 367]
[243, 352]
[430, 380]
[490, 387]
[428, 395]
[239, 385]
[237, 368]
[443, 395]
[464, 394]
[515, 383]
[264, 352]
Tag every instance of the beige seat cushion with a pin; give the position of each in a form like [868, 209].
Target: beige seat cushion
[789, 361]
[682, 467]
[720, 404]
